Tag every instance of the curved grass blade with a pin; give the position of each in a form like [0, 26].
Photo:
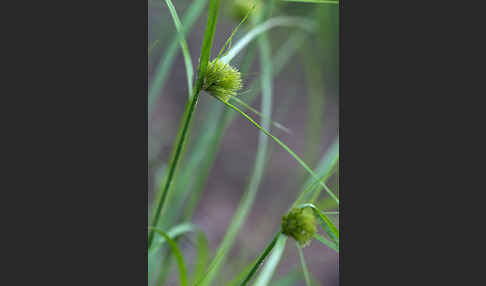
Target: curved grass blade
[326, 242]
[286, 148]
[173, 233]
[202, 256]
[324, 169]
[304, 266]
[271, 23]
[179, 257]
[260, 259]
[245, 105]
[227, 44]
[272, 262]
[168, 56]
[326, 223]
[183, 44]
[189, 111]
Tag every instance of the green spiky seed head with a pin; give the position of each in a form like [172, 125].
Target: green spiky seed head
[222, 80]
[300, 224]
[240, 8]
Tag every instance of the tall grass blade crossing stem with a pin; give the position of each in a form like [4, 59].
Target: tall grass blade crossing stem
[292, 153]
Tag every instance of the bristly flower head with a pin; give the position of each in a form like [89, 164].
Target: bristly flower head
[222, 80]
[300, 224]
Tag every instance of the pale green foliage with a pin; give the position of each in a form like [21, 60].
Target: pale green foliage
[222, 80]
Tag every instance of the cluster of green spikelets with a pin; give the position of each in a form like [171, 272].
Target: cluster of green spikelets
[300, 224]
[222, 80]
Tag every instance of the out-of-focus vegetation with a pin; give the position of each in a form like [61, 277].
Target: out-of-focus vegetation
[221, 185]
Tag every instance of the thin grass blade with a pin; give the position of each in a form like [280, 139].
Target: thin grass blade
[300, 22]
[260, 260]
[286, 148]
[179, 257]
[326, 223]
[304, 266]
[168, 57]
[326, 242]
[183, 44]
[272, 262]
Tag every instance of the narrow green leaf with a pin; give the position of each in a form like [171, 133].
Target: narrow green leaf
[202, 256]
[304, 265]
[326, 242]
[326, 223]
[272, 262]
[324, 169]
[173, 233]
[286, 148]
[271, 23]
[168, 57]
[227, 44]
[260, 260]
[179, 257]
[207, 41]
[183, 43]
[245, 105]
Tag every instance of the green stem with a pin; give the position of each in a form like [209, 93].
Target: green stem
[189, 111]
[260, 260]
[304, 265]
[292, 153]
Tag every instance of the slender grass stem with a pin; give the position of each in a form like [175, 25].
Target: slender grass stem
[260, 259]
[292, 153]
[247, 106]
[188, 113]
[304, 266]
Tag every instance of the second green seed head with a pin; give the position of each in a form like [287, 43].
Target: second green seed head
[300, 224]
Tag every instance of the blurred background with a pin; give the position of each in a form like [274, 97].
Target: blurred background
[305, 100]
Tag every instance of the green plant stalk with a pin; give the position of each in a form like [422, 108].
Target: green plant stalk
[177, 152]
[188, 113]
[286, 148]
[304, 266]
[260, 259]
[272, 262]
